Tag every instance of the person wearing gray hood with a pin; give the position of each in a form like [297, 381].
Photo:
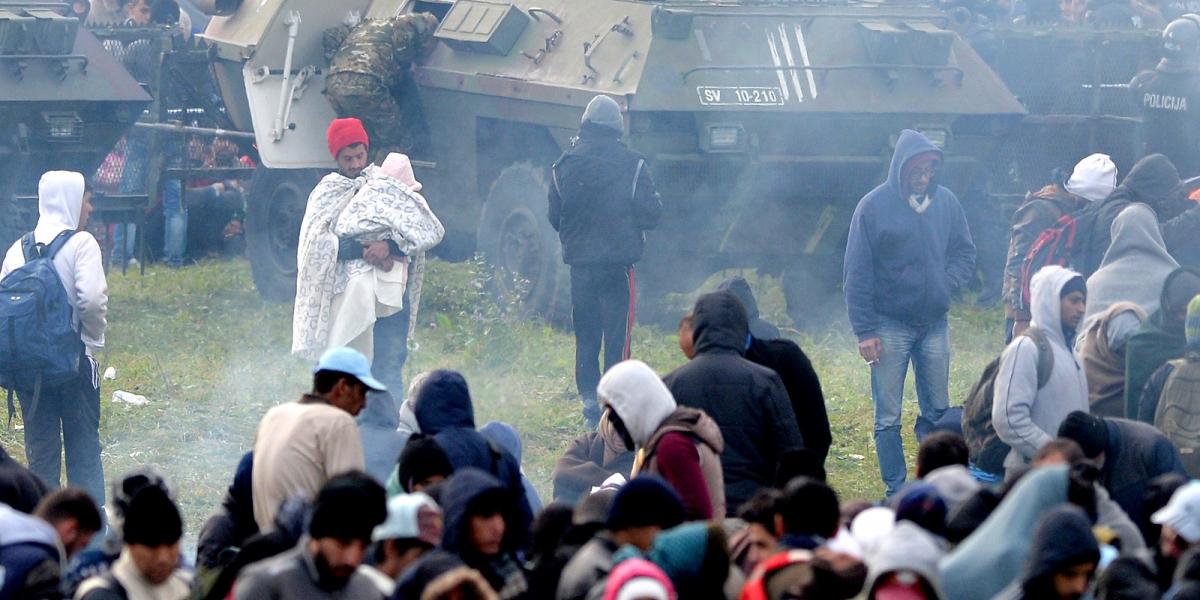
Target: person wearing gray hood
[905, 559]
[1028, 407]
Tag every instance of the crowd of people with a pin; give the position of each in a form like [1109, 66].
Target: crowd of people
[1064, 475]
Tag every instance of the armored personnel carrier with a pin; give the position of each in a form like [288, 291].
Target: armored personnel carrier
[64, 102]
[764, 123]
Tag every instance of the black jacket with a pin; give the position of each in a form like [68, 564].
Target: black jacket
[1152, 181]
[602, 200]
[748, 401]
[803, 387]
[1135, 454]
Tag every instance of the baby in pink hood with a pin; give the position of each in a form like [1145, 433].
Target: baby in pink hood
[398, 167]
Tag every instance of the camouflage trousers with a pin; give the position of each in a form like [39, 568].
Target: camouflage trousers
[390, 127]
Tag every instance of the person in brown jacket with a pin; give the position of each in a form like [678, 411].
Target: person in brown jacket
[592, 458]
[1102, 350]
[1092, 180]
[682, 445]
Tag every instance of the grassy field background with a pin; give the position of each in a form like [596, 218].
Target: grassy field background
[212, 357]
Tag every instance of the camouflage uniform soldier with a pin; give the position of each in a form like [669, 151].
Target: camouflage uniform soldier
[370, 70]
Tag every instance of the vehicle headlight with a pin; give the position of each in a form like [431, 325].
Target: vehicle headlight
[726, 137]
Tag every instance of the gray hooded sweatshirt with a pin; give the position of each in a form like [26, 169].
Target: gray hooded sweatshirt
[1024, 416]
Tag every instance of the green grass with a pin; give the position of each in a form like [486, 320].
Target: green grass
[212, 357]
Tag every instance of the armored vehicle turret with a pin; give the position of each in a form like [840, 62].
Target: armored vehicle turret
[764, 123]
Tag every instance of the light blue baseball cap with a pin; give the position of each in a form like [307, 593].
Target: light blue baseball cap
[351, 362]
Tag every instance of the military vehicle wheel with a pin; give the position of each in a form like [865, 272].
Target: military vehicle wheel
[273, 216]
[520, 247]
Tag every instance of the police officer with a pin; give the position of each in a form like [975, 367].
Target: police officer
[601, 201]
[1169, 97]
[368, 70]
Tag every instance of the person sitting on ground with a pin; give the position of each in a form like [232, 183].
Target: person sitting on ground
[34, 548]
[1160, 338]
[808, 514]
[993, 555]
[149, 564]
[758, 540]
[1128, 453]
[1180, 523]
[941, 449]
[97, 559]
[747, 401]
[638, 578]
[422, 465]
[680, 444]
[506, 437]
[904, 565]
[641, 509]
[19, 487]
[591, 459]
[1062, 559]
[1148, 405]
[301, 445]
[325, 564]
[413, 528]
[227, 531]
[1025, 413]
[445, 411]
[482, 529]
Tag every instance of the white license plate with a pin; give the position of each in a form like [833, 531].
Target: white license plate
[739, 96]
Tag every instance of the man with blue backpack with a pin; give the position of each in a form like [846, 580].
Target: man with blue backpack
[53, 306]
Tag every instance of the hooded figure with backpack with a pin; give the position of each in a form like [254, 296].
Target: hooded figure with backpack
[59, 330]
[1092, 180]
[1026, 409]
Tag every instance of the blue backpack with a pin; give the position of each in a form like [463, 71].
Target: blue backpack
[38, 344]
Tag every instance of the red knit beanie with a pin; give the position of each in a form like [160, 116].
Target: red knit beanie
[345, 132]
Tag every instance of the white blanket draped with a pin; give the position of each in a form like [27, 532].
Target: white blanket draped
[371, 207]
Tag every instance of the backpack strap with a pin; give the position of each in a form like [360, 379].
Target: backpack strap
[1045, 362]
[33, 250]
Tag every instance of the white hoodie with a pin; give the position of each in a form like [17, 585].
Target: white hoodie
[638, 396]
[79, 263]
[1024, 416]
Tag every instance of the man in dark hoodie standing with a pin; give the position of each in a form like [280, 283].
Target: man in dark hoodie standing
[1153, 181]
[747, 401]
[602, 201]
[908, 250]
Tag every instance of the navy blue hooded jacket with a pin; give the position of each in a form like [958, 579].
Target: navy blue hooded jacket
[443, 407]
[900, 264]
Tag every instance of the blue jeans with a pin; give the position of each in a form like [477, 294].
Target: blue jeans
[927, 347]
[133, 181]
[174, 222]
[66, 418]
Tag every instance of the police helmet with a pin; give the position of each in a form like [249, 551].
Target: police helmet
[1181, 43]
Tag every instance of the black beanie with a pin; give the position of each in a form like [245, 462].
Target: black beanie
[645, 501]
[348, 508]
[1074, 284]
[1087, 430]
[421, 459]
[152, 519]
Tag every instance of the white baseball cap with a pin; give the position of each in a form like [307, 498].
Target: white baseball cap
[411, 516]
[1182, 513]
